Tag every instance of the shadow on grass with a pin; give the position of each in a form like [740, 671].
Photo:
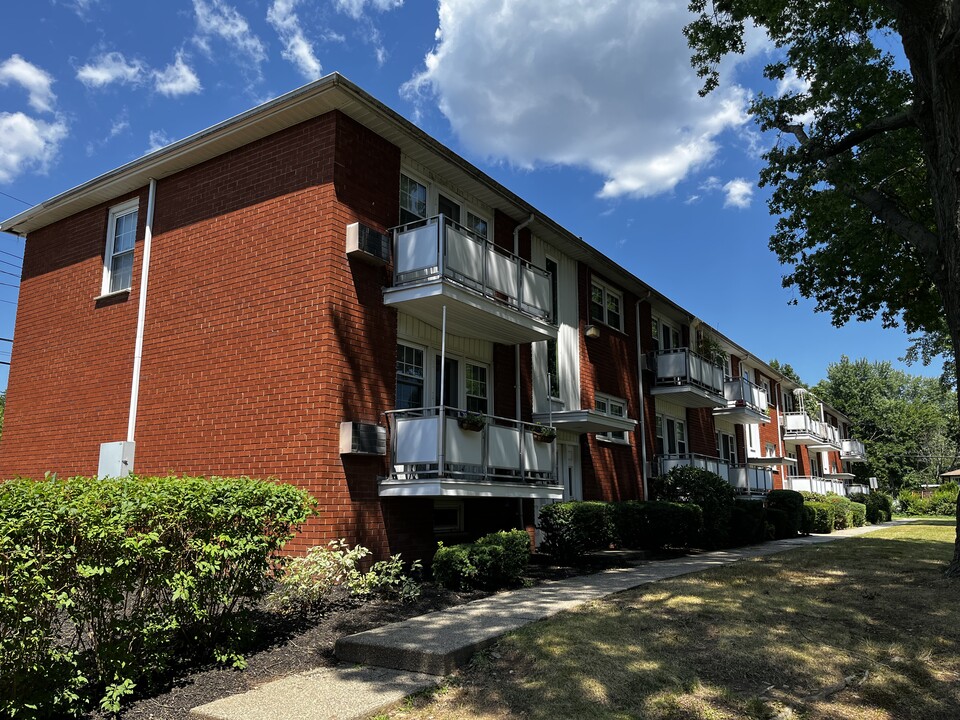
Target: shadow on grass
[745, 640]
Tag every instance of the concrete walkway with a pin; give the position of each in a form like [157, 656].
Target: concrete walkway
[382, 666]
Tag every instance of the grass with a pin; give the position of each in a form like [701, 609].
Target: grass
[865, 629]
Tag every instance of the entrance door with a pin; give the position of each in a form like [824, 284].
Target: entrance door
[569, 462]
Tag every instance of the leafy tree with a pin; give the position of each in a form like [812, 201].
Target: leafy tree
[786, 369]
[864, 172]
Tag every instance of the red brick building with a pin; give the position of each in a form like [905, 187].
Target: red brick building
[317, 291]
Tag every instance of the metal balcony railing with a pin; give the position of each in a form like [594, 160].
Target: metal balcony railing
[813, 483]
[740, 392]
[852, 450]
[438, 247]
[744, 478]
[798, 424]
[682, 366]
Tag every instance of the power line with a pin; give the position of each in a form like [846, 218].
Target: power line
[16, 198]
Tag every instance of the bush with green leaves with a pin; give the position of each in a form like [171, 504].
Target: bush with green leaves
[821, 517]
[748, 523]
[879, 506]
[494, 561]
[657, 524]
[573, 528]
[943, 501]
[333, 571]
[108, 581]
[789, 502]
[709, 491]
[859, 512]
[842, 511]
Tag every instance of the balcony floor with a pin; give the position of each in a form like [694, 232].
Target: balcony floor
[469, 314]
[447, 487]
[690, 396]
[742, 414]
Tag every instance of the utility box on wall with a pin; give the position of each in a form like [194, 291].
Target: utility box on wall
[116, 459]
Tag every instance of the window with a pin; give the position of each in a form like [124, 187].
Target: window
[553, 356]
[477, 224]
[615, 408]
[606, 305]
[665, 336]
[771, 450]
[448, 208]
[671, 436]
[727, 448]
[787, 401]
[409, 377]
[118, 256]
[447, 516]
[413, 200]
[792, 469]
[476, 388]
[765, 384]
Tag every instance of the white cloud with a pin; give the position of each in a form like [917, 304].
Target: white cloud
[158, 139]
[176, 79]
[36, 82]
[792, 84]
[215, 18]
[606, 86]
[110, 68]
[297, 49]
[739, 193]
[27, 144]
[357, 8]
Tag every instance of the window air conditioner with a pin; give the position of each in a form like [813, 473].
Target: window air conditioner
[367, 244]
[362, 439]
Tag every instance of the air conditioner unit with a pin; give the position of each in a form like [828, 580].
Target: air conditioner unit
[367, 244]
[362, 439]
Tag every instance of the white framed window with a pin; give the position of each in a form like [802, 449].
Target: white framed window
[606, 305]
[726, 448]
[553, 353]
[413, 200]
[118, 255]
[787, 401]
[615, 408]
[409, 377]
[477, 224]
[771, 450]
[765, 384]
[665, 335]
[671, 436]
[420, 199]
[793, 469]
[476, 388]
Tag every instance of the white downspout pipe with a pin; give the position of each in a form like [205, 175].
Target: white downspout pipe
[141, 312]
[516, 348]
[643, 433]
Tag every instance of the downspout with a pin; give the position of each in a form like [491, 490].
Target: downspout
[643, 414]
[516, 348]
[141, 312]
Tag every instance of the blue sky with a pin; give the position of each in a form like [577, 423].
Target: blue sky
[587, 110]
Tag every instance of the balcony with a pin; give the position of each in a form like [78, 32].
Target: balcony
[489, 293]
[745, 479]
[689, 380]
[800, 428]
[431, 455]
[853, 451]
[808, 483]
[746, 402]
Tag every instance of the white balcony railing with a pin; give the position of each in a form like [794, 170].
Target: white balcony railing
[438, 247]
[741, 392]
[744, 478]
[682, 366]
[799, 425]
[810, 483]
[429, 443]
[853, 450]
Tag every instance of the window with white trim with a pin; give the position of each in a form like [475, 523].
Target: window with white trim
[770, 450]
[665, 335]
[671, 436]
[553, 353]
[477, 224]
[765, 384]
[726, 447]
[409, 377]
[606, 305]
[793, 469]
[413, 200]
[615, 408]
[118, 255]
[476, 387]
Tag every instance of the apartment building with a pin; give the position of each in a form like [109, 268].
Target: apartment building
[317, 291]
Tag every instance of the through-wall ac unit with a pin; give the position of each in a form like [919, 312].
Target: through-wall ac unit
[367, 244]
[362, 439]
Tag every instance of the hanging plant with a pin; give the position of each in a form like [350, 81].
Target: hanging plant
[472, 421]
[544, 433]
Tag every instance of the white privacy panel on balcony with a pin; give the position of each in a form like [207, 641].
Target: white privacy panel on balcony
[464, 255]
[503, 447]
[463, 446]
[416, 249]
[672, 365]
[536, 455]
[536, 290]
[502, 273]
[416, 440]
[738, 477]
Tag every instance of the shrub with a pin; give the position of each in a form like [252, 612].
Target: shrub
[109, 580]
[657, 524]
[572, 528]
[859, 514]
[912, 504]
[815, 497]
[709, 491]
[748, 522]
[879, 506]
[821, 519]
[494, 561]
[842, 511]
[808, 518]
[789, 502]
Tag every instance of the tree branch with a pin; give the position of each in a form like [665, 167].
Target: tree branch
[899, 121]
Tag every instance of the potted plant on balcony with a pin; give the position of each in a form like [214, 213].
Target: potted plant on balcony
[544, 433]
[472, 421]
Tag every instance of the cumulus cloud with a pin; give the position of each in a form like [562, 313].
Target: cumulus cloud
[27, 143]
[38, 83]
[738, 193]
[158, 139]
[109, 68]
[176, 79]
[297, 49]
[217, 19]
[357, 8]
[606, 86]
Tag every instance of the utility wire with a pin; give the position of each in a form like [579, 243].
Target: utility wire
[16, 198]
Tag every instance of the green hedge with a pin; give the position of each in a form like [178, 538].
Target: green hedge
[943, 501]
[748, 523]
[656, 525]
[789, 502]
[573, 528]
[109, 582]
[709, 491]
[494, 561]
[821, 517]
[859, 514]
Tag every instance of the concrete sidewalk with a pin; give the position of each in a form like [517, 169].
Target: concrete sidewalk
[382, 666]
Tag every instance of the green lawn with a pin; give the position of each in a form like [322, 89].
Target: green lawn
[861, 628]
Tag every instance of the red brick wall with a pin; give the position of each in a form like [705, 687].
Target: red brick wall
[701, 431]
[608, 364]
[69, 386]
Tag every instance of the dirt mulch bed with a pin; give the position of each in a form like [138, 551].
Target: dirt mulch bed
[285, 646]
